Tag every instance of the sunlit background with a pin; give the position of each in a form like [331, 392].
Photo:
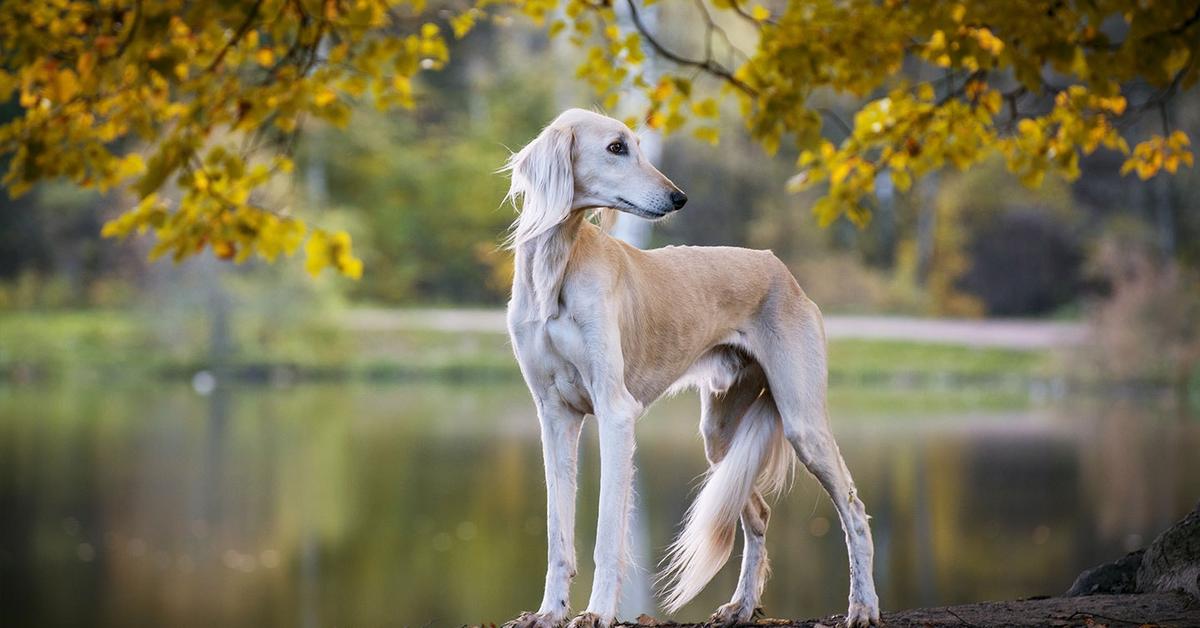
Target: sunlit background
[209, 444]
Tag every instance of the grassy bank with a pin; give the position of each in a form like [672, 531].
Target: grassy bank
[122, 345]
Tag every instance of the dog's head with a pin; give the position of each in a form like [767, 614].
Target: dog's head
[585, 160]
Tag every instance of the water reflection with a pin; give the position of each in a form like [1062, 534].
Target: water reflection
[421, 504]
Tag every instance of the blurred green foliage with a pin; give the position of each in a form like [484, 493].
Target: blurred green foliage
[1004, 254]
[423, 189]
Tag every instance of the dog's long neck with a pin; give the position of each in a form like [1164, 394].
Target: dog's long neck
[541, 265]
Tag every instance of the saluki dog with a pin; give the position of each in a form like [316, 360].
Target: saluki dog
[603, 328]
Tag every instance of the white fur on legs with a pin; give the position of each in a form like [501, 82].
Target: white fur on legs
[560, 452]
[616, 427]
[755, 566]
[706, 540]
[819, 453]
[560, 447]
[806, 427]
[721, 415]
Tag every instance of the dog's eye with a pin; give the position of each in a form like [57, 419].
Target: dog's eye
[618, 148]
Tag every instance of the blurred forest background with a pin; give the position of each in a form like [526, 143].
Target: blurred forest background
[418, 192]
[246, 445]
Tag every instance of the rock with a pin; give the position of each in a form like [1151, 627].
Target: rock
[1172, 562]
[1119, 576]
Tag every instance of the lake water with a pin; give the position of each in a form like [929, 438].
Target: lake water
[421, 504]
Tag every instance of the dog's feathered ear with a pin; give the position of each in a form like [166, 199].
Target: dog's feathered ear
[542, 179]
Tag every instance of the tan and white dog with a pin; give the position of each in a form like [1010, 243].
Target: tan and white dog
[605, 329]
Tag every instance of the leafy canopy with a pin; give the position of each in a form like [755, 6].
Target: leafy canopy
[161, 93]
[175, 97]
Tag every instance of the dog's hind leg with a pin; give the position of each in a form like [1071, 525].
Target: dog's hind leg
[720, 414]
[793, 353]
[755, 567]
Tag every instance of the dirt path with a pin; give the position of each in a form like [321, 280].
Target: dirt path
[1008, 333]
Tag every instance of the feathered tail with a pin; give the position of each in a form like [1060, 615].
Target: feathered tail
[758, 457]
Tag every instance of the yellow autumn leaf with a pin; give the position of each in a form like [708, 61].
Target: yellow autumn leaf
[316, 253]
[988, 41]
[462, 24]
[661, 91]
[706, 108]
[991, 101]
[324, 97]
[708, 134]
[85, 64]
[66, 85]
[131, 165]
[937, 41]
[200, 180]
[1178, 140]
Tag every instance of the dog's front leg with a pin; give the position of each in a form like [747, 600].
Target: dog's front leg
[615, 421]
[589, 337]
[560, 453]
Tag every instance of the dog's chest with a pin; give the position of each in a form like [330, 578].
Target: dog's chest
[555, 351]
[567, 344]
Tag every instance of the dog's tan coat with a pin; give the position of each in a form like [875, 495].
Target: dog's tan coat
[600, 327]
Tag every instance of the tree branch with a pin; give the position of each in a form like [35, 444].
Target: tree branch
[706, 65]
[237, 36]
[1179, 30]
[737, 8]
[711, 28]
[133, 28]
[832, 115]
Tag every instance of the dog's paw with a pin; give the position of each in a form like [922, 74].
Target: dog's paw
[589, 620]
[734, 613]
[534, 620]
[861, 615]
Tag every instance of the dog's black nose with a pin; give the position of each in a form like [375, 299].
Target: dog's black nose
[678, 199]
